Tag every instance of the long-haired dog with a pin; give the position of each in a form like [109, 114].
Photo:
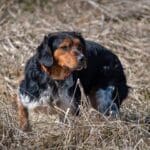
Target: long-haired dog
[51, 73]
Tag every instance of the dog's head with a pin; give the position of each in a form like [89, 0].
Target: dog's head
[63, 49]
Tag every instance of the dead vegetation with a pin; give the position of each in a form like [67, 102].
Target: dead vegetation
[121, 25]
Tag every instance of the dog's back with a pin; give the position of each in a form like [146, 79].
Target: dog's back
[104, 70]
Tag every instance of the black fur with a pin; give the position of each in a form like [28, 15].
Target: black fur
[44, 53]
[104, 70]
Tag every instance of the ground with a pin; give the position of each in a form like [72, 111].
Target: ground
[120, 25]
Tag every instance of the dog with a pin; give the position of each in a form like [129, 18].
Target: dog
[51, 74]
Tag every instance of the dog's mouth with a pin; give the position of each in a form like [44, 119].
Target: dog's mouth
[78, 68]
[69, 71]
[65, 71]
[62, 72]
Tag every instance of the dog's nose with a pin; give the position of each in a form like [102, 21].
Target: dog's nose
[81, 58]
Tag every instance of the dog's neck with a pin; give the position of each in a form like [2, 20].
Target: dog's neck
[56, 72]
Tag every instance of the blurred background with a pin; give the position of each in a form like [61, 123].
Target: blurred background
[120, 25]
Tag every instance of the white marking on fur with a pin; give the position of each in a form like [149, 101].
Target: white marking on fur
[44, 99]
[104, 98]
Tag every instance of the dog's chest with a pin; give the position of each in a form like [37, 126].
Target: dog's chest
[63, 88]
[58, 91]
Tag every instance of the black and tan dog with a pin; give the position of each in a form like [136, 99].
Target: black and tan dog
[50, 76]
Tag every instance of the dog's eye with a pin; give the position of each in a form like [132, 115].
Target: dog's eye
[64, 47]
[80, 47]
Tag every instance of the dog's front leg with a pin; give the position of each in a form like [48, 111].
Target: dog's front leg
[23, 117]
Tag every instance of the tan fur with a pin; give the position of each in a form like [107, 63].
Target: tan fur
[56, 72]
[65, 60]
[23, 117]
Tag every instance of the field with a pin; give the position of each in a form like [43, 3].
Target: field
[120, 25]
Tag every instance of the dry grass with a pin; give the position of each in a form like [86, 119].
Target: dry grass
[123, 26]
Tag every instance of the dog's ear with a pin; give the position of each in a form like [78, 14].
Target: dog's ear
[44, 53]
[76, 34]
[80, 37]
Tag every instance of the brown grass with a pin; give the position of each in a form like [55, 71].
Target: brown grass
[122, 26]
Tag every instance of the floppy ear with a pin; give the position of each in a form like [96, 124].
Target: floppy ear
[44, 53]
